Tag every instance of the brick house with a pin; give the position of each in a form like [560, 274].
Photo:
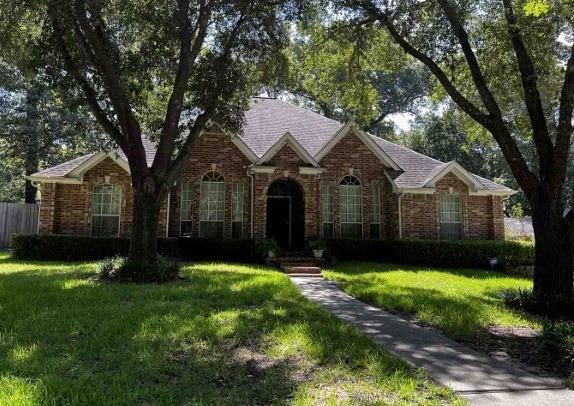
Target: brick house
[291, 174]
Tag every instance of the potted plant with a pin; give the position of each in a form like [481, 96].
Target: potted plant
[318, 246]
[268, 247]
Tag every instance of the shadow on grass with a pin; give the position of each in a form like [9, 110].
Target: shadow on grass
[205, 340]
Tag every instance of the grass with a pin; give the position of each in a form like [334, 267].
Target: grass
[459, 302]
[228, 334]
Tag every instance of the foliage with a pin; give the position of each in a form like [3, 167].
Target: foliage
[77, 248]
[119, 269]
[267, 245]
[452, 254]
[461, 302]
[553, 307]
[317, 243]
[559, 336]
[226, 335]
[329, 75]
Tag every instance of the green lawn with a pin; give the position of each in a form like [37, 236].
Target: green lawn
[229, 334]
[459, 302]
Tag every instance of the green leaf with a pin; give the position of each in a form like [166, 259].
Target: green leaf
[536, 8]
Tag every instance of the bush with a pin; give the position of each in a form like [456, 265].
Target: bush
[452, 254]
[77, 248]
[559, 336]
[263, 247]
[525, 300]
[119, 269]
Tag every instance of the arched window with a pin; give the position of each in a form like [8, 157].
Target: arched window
[450, 217]
[212, 205]
[351, 207]
[106, 206]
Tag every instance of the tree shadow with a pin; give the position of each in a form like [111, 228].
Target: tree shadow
[205, 340]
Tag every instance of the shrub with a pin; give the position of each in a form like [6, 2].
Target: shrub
[119, 269]
[559, 336]
[264, 246]
[466, 254]
[204, 249]
[524, 299]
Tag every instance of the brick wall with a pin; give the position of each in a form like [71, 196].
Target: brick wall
[213, 151]
[66, 208]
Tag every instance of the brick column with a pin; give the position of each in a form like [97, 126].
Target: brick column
[497, 218]
[47, 206]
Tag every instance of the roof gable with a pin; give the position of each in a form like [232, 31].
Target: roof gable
[353, 128]
[287, 139]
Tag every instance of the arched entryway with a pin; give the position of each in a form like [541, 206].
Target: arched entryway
[286, 214]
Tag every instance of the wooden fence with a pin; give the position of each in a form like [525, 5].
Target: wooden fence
[17, 218]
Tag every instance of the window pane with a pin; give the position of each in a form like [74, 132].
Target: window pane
[237, 202]
[351, 208]
[212, 206]
[186, 201]
[375, 204]
[451, 227]
[106, 207]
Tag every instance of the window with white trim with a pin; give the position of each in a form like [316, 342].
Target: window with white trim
[451, 227]
[185, 218]
[351, 207]
[375, 195]
[237, 198]
[327, 210]
[212, 205]
[106, 207]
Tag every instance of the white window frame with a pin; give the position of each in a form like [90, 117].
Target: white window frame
[237, 203]
[357, 187]
[189, 200]
[327, 204]
[207, 181]
[119, 215]
[443, 211]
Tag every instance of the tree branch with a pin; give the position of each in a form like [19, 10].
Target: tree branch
[564, 136]
[453, 92]
[495, 125]
[187, 56]
[528, 75]
[89, 92]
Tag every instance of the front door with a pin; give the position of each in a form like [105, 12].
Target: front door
[286, 214]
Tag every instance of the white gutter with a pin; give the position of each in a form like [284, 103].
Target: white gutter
[401, 215]
[167, 215]
[252, 194]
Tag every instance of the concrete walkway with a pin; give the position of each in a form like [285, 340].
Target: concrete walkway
[478, 378]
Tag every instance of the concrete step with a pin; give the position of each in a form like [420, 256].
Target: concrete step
[305, 275]
[301, 269]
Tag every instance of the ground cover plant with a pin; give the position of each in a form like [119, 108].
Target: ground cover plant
[227, 334]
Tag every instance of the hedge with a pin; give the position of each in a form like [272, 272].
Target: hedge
[76, 248]
[451, 254]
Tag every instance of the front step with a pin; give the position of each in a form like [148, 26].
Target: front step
[305, 275]
[301, 269]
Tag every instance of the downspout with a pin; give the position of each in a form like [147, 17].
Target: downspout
[167, 215]
[37, 185]
[252, 194]
[401, 215]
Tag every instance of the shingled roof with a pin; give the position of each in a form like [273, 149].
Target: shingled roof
[268, 120]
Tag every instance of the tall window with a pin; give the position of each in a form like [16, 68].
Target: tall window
[212, 205]
[237, 197]
[450, 217]
[327, 210]
[185, 219]
[375, 194]
[351, 208]
[106, 203]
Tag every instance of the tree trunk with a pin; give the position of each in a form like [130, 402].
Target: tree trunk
[554, 262]
[32, 147]
[143, 243]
